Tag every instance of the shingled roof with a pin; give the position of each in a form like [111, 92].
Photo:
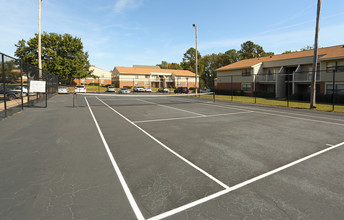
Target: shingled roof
[133, 70]
[324, 54]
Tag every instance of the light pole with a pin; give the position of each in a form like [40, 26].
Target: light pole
[39, 41]
[196, 74]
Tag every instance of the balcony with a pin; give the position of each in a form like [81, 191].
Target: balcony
[266, 78]
[305, 77]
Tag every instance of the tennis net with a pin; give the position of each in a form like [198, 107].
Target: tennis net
[140, 99]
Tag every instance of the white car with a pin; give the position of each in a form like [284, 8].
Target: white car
[148, 90]
[17, 88]
[163, 89]
[80, 88]
[139, 89]
[111, 89]
[124, 91]
[62, 90]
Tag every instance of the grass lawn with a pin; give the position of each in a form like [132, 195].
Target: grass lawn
[283, 103]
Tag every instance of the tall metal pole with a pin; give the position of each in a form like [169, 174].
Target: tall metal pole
[196, 53]
[39, 39]
[315, 58]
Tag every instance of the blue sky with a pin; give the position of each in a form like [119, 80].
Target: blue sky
[128, 32]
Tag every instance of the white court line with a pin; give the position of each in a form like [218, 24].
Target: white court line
[291, 113]
[166, 106]
[169, 149]
[263, 111]
[183, 118]
[240, 185]
[118, 171]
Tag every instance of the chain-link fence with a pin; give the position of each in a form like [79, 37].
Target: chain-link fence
[15, 79]
[288, 89]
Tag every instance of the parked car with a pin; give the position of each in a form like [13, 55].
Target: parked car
[17, 88]
[204, 90]
[163, 89]
[80, 88]
[62, 90]
[124, 91]
[139, 89]
[181, 90]
[10, 94]
[148, 90]
[111, 89]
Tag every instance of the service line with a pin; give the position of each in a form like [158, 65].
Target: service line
[166, 106]
[192, 117]
[167, 148]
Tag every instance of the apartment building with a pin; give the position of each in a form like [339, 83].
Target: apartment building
[101, 76]
[152, 77]
[285, 74]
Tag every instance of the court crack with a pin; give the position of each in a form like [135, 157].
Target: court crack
[276, 205]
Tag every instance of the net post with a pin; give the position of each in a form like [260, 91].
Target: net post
[213, 96]
[74, 99]
[333, 87]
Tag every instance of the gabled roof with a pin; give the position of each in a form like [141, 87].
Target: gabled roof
[324, 54]
[133, 70]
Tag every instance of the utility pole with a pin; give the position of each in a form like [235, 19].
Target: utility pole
[315, 58]
[196, 74]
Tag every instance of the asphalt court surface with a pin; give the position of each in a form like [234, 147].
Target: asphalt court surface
[232, 143]
[183, 160]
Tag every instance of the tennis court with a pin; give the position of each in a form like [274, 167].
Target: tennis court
[181, 157]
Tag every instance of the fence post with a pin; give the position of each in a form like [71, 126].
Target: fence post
[21, 84]
[287, 89]
[333, 88]
[4, 82]
[46, 90]
[232, 88]
[255, 84]
[74, 99]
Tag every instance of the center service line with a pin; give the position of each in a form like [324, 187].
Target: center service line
[169, 149]
[130, 197]
[240, 185]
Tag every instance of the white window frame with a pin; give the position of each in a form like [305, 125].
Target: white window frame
[329, 91]
[244, 87]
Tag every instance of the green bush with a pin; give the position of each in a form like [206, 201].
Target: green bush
[93, 84]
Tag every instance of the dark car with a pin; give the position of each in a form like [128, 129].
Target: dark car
[181, 90]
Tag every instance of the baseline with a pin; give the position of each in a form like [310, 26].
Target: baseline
[240, 185]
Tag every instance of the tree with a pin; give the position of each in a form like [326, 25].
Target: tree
[189, 59]
[166, 65]
[251, 50]
[12, 72]
[62, 55]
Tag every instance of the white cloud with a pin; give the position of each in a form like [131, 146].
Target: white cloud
[122, 5]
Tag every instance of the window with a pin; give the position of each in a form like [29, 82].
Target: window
[335, 65]
[147, 83]
[136, 76]
[102, 81]
[147, 76]
[178, 81]
[246, 87]
[339, 89]
[136, 83]
[246, 72]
